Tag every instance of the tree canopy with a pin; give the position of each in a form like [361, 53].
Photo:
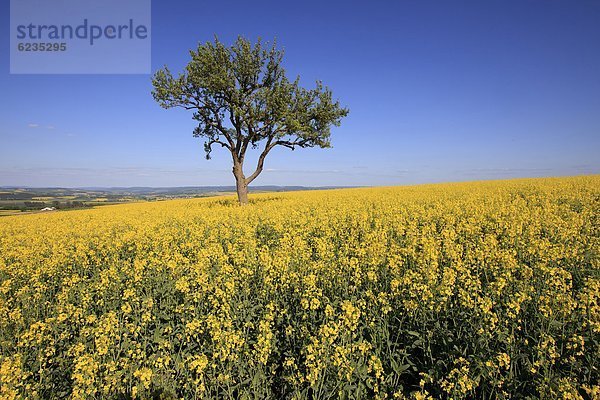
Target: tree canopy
[241, 98]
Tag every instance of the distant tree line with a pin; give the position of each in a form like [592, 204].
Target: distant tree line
[38, 205]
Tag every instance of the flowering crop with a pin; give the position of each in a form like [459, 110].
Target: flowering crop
[468, 290]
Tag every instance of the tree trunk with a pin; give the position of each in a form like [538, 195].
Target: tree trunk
[240, 184]
[242, 192]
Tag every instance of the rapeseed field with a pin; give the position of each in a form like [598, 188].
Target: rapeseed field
[487, 290]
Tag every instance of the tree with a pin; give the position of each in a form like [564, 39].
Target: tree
[241, 99]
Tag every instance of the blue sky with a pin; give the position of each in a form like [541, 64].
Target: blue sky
[437, 91]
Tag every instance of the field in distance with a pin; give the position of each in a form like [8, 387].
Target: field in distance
[15, 200]
[466, 290]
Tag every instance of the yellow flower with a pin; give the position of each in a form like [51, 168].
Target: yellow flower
[144, 375]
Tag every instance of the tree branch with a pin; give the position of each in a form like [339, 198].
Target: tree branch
[261, 160]
[292, 145]
[215, 141]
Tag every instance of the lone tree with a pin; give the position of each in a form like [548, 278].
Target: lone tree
[240, 97]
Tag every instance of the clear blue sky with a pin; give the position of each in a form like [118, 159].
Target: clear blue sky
[437, 91]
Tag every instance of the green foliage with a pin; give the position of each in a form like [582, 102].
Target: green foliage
[240, 96]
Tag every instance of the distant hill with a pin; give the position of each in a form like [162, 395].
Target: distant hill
[22, 198]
